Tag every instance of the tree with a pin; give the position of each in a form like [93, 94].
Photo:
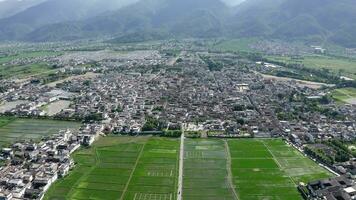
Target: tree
[152, 124]
[239, 107]
[173, 133]
[87, 82]
[324, 100]
[93, 117]
[341, 156]
[241, 121]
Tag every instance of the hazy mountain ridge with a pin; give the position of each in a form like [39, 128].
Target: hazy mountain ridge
[201, 18]
[54, 11]
[316, 20]
[11, 7]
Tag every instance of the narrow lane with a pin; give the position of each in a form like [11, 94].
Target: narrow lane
[181, 159]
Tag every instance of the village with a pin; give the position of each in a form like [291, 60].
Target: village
[34, 167]
[217, 95]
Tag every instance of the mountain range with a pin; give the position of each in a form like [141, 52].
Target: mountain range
[127, 20]
[12, 7]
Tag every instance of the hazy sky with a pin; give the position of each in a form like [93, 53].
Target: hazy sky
[233, 2]
[13, 0]
[230, 2]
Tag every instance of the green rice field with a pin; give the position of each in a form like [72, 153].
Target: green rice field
[24, 71]
[12, 130]
[125, 168]
[205, 170]
[235, 45]
[146, 168]
[5, 120]
[347, 67]
[344, 94]
[270, 169]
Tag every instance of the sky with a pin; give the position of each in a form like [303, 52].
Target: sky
[13, 0]
[233, 2]
[230, 2]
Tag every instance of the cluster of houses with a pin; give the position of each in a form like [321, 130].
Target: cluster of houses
[223, 98]
[33, 167]
[234, 99]
[338, 188]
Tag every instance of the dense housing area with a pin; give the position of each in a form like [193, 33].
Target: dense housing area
[174, 120]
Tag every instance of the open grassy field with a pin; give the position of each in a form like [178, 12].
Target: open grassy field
[23, 71]
[347, 95]
[235, 45]
[126, 168]
[270, 170]
[334, 64]
[205, 170]
[5, 120]
[12, 130]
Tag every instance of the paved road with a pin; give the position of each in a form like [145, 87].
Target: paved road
[181, 159]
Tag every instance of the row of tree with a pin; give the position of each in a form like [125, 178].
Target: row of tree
[319, 155]
[213, 66]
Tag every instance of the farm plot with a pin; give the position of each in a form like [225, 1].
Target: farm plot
[126, 168]
[102, 171]
[347, 67]
[294, 164]
[270, 170]
[347, 95]
[156, 174]
[5, 120]
[205, 171]
[30, 129]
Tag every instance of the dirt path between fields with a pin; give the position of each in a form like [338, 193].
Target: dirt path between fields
[132, 173]
[229, 172]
